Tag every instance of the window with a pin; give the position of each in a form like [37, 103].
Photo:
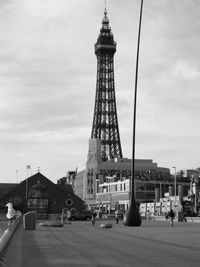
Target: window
[38, 204]
[150, 187]
[69, 202]
[140, 186]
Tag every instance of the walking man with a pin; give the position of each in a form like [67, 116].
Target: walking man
[64, 215]
[117, 216]
[171, 216]
[93, 217]
[148, 215]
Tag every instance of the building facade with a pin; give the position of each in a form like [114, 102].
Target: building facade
[107, 183]
[38, 193]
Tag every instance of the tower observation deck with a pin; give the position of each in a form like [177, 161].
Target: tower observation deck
[105, 123]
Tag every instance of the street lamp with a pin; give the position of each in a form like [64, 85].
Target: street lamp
[174, 184]
[132, 216]
[195, 190]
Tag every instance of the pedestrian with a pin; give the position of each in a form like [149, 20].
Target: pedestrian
[68, 216]
[148, 215]
[171, 216]
[117, 216]
[64, 215]
[184, 217]
[93, 217]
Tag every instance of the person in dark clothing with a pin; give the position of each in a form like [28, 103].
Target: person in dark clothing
[171, 216]
[117, 216]
[94, 217]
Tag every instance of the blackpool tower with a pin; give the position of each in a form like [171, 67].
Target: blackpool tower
[105, 123]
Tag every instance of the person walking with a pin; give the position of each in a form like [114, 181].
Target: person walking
[117, 216]
[64, 215]
[148, 215]
[171, 216]
[94, 217]
[68, 216]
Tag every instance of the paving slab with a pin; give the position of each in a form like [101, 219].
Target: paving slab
[82, 244]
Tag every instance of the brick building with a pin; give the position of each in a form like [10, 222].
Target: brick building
[38, 193]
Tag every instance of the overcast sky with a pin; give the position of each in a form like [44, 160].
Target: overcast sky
[48, 82]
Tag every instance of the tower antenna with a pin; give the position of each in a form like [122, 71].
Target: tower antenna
[105, 4]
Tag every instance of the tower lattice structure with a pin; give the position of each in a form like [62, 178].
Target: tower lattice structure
[105, 123]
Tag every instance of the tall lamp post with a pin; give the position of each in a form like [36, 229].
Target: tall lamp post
[195, 190]
[132, 216]
[174, 185]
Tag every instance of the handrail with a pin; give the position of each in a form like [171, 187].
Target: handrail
[7, 236]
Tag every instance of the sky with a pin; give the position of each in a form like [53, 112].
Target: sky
[48, 82]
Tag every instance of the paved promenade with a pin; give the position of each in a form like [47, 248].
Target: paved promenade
[81, 244]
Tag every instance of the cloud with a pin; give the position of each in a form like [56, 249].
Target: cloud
[168, 94]
[48, 81]
[185, 71]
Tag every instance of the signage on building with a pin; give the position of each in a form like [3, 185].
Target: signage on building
[103, 198]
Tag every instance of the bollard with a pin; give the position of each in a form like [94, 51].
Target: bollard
[29, 220]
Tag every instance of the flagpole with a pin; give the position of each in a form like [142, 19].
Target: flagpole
[26, 182]
[17, 176]
[27, 168]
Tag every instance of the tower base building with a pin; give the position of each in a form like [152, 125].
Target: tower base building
[106, 183]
